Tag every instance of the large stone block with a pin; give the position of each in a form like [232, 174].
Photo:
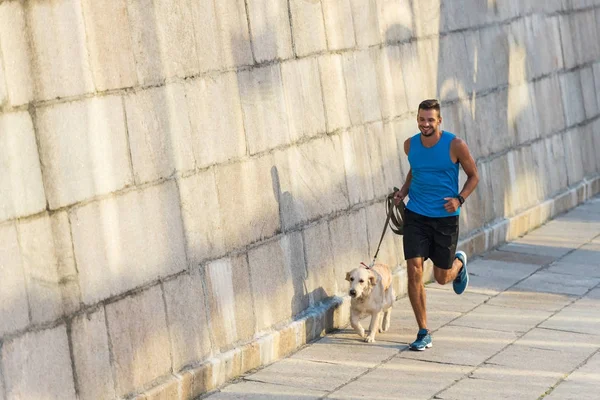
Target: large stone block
[320, 278]
[419, 69]
[201, 216]
[589, 149]
[338, 24]
[455, 68]
[139, 339]
[464, 14]
[597, 79]
[588, 88]
[109, 44]
[522, 112]
[572, 98]
[282, 295]
[480, 61]
[403, 129]
[350, 244]
[479, 209]
[395, 20]
[14, 304]
[383, 142]
[270, 29]
[502, 177]
[40, 264]
[229, 295]
[38, 365]
[390, 82]
[308, 27]
[426, 14]
[3, 89]
[263, 104]
[222, 34]
[187, 318]
[334, 92]
[160, 132]
[83, 148]
[248, 201]
[579, 38]
[574, 155]
[359, 178]
[555, 165]
[163, 43]
[494, 131]
[309, 181]
[123, 242]
[16, 53]
[493, 52]
[366, 22]
[551, 116]
[361, 86]
[303, 98]
[57, 33]
[217, 126]
[543, 43]
[91, 356]
[21, 175]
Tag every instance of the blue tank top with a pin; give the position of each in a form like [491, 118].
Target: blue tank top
[434, 176]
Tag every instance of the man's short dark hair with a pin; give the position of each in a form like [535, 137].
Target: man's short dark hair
[431, 104]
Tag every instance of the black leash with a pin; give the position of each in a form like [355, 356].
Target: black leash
[395, 219]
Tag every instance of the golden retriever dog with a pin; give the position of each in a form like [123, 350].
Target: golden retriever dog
[372, 294]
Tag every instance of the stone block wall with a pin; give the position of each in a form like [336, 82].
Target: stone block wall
[184, 183]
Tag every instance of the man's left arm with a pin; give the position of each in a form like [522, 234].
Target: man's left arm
[460, 151]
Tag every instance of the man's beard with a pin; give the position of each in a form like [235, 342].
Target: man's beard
[428, 134]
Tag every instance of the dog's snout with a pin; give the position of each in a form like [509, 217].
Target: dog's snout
[352, 292]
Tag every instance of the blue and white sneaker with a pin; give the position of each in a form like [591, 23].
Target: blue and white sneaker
[423, 341]
[461, 282]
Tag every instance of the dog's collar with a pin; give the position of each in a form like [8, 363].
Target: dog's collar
[365, 265]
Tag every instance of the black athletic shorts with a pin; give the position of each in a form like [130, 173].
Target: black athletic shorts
[429, 237]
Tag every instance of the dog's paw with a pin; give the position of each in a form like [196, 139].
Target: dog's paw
[370, 339]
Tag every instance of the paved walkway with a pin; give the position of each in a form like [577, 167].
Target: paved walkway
[528, 327]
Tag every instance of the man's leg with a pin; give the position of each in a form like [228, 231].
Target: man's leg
[416, 290]
[443, 276]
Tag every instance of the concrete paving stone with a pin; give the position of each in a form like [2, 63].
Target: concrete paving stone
[572, 98]
[531, 300]
[21, 177]
[252, 213]
[491, 317]
[163, 43]
[91, 356]
[402, 379]
[443, 298]
[114, 253]
[139, 339]
[270, 30]
[263, 105]
[338, 24]
[582, 384]
[222, 35]
[28, 360]
[16, 54]
[549, 282]
[160, 133]
[360, 72]
[353, 352]
[57, 33]
[304, 102]
[248, 390]
[521, 258]
[107, 29]
[216, 121]
[334, 92]
[319, 376]
[366, 22]
[308, 27]
[579, 317]
[459, 345]
[395, 20]
[14, 307]
[542, 246]
[587, 255]
[320, 279]
[84, 150]
[309, 180]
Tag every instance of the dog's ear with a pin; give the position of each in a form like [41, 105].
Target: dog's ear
[348, 276]
[373, 279]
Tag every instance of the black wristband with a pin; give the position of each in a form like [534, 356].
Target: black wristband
[461, 199]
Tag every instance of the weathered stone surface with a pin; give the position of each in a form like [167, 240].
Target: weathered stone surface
[390, 82]
[16, 54]
[113, 247]
[308, 27]
[27, 360]
[572, 140]
[492, 123]
[91, 356]
[270, 29]
[137, 328]
[163, 44]
[361, 86]
[187, 319]
[596, 68]
[358, 165]
[462, 14]
[334, 92]
[320, 277]
[217, 127]
[578, 317]
[419, 69]
[57, 33]
[283, 295]
[502, 319]
[14, 307]
[541, 37]
[518, 300]
[308, 181]
[83, 148]
[109, 44]
[304, 102]
[229, 294]
[523, 113]
[21, 176]
[248, 198]
[558, 283]
[581, 383]
[249, 390]
[391, 250]
[338, 24]
[455, 69]
[263, 104]
[395, 20]
[426, 16]
[222, 35]
[366, 23]
[589, 93]
[551, 116]
[159, 132]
